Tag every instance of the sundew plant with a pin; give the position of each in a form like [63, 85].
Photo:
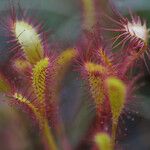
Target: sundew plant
[108, 59]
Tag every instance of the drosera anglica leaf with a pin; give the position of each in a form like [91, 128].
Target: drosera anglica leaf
[39, 75]
[117, 95]
[43, 84]
[64, 60]
[29, 40]
[95, 81]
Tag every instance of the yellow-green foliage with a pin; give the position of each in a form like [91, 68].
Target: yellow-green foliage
[95, 82]
[29, 40]
[103, 141]
[4, 85]
[117, 95]
[39, 74]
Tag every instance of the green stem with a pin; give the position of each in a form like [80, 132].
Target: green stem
[48, 136]
[114, 129]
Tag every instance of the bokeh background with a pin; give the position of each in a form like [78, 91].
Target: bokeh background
[64, 19]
